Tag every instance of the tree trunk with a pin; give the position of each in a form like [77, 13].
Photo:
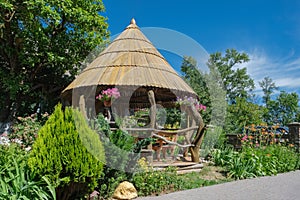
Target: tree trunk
[72, 190]
[5, 111]
[197, 141]
[195, 150]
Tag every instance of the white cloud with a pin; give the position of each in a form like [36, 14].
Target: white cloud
[288, 82]
[285, 72]
[294, 65]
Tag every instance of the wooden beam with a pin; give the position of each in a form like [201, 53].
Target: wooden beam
[170, 142]
[161, 131]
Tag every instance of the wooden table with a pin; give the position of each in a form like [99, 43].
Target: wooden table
[162, 146]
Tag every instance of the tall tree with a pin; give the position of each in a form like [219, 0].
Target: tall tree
[268, 87]
[41, 45]
[285, 108]
[235, 81]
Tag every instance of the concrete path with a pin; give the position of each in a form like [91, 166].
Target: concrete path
[281, 187]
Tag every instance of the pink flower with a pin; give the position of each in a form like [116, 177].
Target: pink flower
[200, 107]
[99, 97]
[105, 92]
[244, 138]
[94, 194]
[108, 94]
[190, 101]
[256, 144]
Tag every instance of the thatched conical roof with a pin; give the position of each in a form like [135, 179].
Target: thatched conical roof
[131, 60]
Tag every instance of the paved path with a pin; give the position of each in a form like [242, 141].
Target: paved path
[281, 187]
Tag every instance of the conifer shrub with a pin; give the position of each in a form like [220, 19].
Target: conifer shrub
[68, 152]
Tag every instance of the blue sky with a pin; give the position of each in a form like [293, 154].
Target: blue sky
[268, 31]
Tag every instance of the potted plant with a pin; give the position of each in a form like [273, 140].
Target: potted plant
[191, 101]
[108, 95]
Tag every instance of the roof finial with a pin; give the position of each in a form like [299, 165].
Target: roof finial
[132, 21]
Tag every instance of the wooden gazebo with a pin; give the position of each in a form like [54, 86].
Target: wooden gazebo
[143, 76]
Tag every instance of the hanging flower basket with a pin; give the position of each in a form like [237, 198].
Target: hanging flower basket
[191, 101]
[108, 95]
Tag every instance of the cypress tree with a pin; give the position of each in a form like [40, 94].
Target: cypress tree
[69, 153]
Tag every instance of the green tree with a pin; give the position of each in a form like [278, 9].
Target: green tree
[241, 114]
[285, 108]
[268, 87]
[69, 153]
[42, 43]
[196, 79]
[235, 81]
[238, 86]
[208, 87]
[297, 119]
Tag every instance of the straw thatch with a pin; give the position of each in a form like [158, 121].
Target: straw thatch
[132, 60]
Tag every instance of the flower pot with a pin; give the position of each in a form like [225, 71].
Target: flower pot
[107, 103]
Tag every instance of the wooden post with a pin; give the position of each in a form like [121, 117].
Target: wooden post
[152, 109]
[197, 141]
[188, 136]
[152, 122]
[82, 106]
[294, 134]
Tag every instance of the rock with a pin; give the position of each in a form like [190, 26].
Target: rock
[5, 128]
[125, 190]
[4, 140]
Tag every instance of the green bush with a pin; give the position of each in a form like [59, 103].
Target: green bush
[117, 147]
[150, 181]
[212, 139]
[221, 157]
[252, 162]
[68, 152]
[171, 118]
[26, 129]
[17, 181]
[121, 151]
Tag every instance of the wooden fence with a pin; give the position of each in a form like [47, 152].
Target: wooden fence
[256, 139]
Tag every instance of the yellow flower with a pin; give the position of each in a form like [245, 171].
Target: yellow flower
[143, 164]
